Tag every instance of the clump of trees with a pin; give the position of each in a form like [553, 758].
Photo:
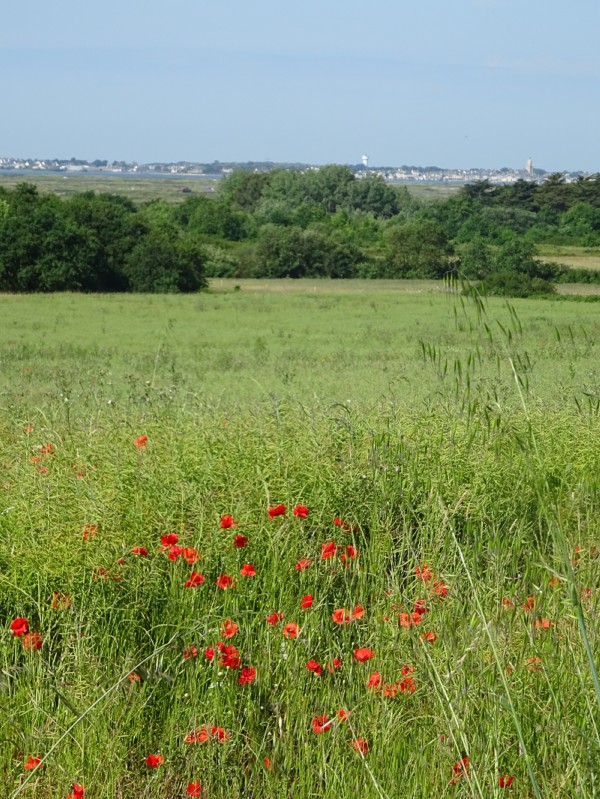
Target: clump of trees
[285, 223]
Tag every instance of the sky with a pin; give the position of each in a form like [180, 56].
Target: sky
[450, 83]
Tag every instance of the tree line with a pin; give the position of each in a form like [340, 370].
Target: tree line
[316, 223]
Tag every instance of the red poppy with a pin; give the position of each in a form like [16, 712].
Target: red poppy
[407, 685]
[334, 664]
[77, 791]
[220, 734]
[360, 745]
[248, 570]
[32, 642]
[190, 652]
[420, 607]
[301, 511]
[194, 788]
[374, 680]
[341, 616]
[405, 670]
[429, 637]
[313, 666]
[358, 612]
[169, 540]
[195, 580]
[349, 553]
[268, 764]
[302, 564]
[229, 628]
[278, 510]
[240, 541]
[341, 523]
[506, 781]
[321, 724]
[363, 654]
[328, 550]
[19, 626]
[33, 762]
[342, 714]
[290, 630]
[140, 442]
[460, 769]
[543, 624]
[247, 675]
[174, 552]
[190, 555]
[225, 581]
[60, 601]
[529, 603]
[154, 761]
[209, 652]
[440, 589]
[274, 617]
[197, 736]
[227, 521]
[306, 602]
[142, 551]
[133, 676]
[423, 572]
[89, 531]
[230, 657]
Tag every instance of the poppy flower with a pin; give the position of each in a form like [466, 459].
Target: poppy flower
[19, 626]
[321, 724]
[374, 680]
[543, 624]
[190, 555]
[341, 523]
[230, 656]
[529, 604]
[429, 637]
[89, 531]
[302, 564]
[141, 551]
[197, 736]
[360, 745]
[195, 580]
[140, 442]
[194, 788]
[220, 733]
[225, 581]
[328, 550]
[460, 769]
[306, 602]
[313, 666]
[268, 764]
[229, 628]
[32, 642]
[506, 781]
[423, 572]
[169, 540]
[301, 511]
[440, 589]
[133, 676]
[278, 510]
[342, 714]
[154, 761]
[341, 616]
[407, 685]
[174, 552]
[358, 612]
[290, 630]
[349, 553]
[209, 652]
[420, 607]
[274, 617]
[334, 664]
[240, 541]
[190, 652]
[247, 675]
[363, 654]
[33, 762]
[77, 791]
[248, 570]
[227, 521]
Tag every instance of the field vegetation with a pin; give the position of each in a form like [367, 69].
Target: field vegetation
[299, 543]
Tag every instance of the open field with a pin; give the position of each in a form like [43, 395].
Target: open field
[576, 257]
[309, 540]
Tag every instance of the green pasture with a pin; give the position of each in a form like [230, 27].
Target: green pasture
[455, 443]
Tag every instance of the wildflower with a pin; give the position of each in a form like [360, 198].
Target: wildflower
[247, 675]
[313, 666]
[190, 652]
[195, 580]
[349, 553]
[423, 572]
[140, 442]
[341, 616]
[507, 602]
[290, 630]
[374, 681]
[341, 523]
[19, 626]
[225, 581]
[302, 564]
[190, 555]
[209, 652]
[342, 714]
[360, 745]
[77, 791]
[240, 541]
[328, 550]
[32, 642]
[169, 540]
[358, 612]
[407, 685]
[278, 510]
[306, 602]
[248, 570]
[194, 788]
[543, 624]
[409, 619]
[333, 665]
[220, 734]
[229, 628]
[428, 637]
[321, 724]
[274, 617]
[529, 604]
[301, 511]
[89, 531]
[534, 664]
[154, 761]
[197, 736]
[420, 607]
[505, 782]
[405, 670]
[227, 521]
[141, 551]
[363, 654]
[268, 764]
[460, 769]
[133, 676]
[33, 762]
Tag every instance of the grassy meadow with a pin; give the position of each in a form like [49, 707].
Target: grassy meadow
[298, 539]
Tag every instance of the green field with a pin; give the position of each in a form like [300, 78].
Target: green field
[440, 588]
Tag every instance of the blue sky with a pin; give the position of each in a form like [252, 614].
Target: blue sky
[462, 83]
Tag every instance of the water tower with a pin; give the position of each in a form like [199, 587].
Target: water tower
[365, 160]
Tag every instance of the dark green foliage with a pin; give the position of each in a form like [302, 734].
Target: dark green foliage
[418, 249]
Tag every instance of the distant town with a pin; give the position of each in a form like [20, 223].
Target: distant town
[217, 169]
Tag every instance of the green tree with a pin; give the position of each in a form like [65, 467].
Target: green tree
[419, 249]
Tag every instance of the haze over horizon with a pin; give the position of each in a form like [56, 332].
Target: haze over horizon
[475, 83]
